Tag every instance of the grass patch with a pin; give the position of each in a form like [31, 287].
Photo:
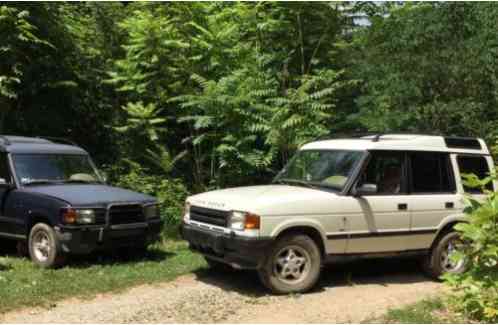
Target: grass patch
[429, 311]
[22, 284]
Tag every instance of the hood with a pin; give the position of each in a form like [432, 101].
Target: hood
[266, 199]
[89, 194]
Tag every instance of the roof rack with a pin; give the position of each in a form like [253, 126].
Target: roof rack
[60, 140]
[376, 136]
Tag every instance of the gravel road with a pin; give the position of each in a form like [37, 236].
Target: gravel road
[352, 292]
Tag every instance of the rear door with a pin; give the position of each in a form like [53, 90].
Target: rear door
[433, 195]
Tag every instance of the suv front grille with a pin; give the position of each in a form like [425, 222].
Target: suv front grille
[123, 214]
[209, 216]
[100, 216]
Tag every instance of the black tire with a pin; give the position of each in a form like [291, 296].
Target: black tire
[433, 264]
[272, 272]
[218, 266]
[51, 256]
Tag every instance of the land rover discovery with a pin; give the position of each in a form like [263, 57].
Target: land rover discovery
[55, 203]
[369, 196]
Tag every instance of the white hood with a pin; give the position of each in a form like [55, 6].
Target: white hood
[265, 199]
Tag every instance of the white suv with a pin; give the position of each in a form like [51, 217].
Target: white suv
[369, 196]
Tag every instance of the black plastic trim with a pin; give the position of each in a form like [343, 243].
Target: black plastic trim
[382, 234]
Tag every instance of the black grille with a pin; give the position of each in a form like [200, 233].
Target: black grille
[210, 216]
[122, 214]
[100, 216]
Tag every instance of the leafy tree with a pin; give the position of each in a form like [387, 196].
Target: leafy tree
[432, 76]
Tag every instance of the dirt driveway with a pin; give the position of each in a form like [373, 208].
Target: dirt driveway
[352, 292]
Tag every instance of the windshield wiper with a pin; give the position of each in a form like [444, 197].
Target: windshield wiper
[306, 184]
[80, 181]
[41, 182]
[295, 181]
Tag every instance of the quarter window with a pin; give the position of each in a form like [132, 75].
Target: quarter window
[431, 173]
[474, 165]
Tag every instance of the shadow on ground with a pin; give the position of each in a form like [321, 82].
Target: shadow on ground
[369, 271]
[122, 256]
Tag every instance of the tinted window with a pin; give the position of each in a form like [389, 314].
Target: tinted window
[386, 171]
[431, 173]
[474, 165]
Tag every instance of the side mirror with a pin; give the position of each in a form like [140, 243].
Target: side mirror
[365, 189]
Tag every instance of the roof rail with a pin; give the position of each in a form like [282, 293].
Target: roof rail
[6, 140]
[60, 140]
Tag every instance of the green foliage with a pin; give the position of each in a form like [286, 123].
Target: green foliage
[422, 312]
[170, 193]
[477, 288]
[142, 119]
[432, 76]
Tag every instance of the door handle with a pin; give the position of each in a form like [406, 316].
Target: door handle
[402, 206]
[449, 205]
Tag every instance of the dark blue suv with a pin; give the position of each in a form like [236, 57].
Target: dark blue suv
[54, 200]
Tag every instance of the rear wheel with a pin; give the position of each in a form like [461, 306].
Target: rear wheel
[44, 247]
[293, 265]
[439, 261]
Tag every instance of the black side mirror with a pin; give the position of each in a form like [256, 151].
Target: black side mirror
[365, 189]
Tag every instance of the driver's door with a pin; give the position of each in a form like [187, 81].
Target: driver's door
[383, 219]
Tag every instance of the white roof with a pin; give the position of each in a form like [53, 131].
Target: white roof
[412, 142]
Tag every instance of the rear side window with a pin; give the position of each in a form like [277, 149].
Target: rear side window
[474, 165]
[431, 173]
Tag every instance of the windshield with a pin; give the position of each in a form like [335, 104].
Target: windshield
[320, 168]
[54, 168]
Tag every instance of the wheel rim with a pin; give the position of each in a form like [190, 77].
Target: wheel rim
[41, 246]
[447, 263]
[292, 264]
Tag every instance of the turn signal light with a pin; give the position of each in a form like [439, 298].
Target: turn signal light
[69, 215]
[252, 221]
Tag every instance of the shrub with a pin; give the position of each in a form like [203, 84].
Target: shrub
[477, 288]
[170, 193]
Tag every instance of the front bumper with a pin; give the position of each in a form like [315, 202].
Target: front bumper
[86, 239]
[237, 251]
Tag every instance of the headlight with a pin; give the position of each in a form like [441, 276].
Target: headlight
[151, 211]
[79, 216]
[86, 216]
[237, 220]
[244, 220]
[186, 212]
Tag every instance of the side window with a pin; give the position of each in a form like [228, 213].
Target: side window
[386, 171]
[431, 173]
[474, 165]
[4, 168]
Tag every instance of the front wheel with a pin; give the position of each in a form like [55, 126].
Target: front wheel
[439, 261]
[44, 247]
[293, 265]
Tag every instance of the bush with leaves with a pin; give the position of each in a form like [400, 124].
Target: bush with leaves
[477, 288]
[170, 193]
